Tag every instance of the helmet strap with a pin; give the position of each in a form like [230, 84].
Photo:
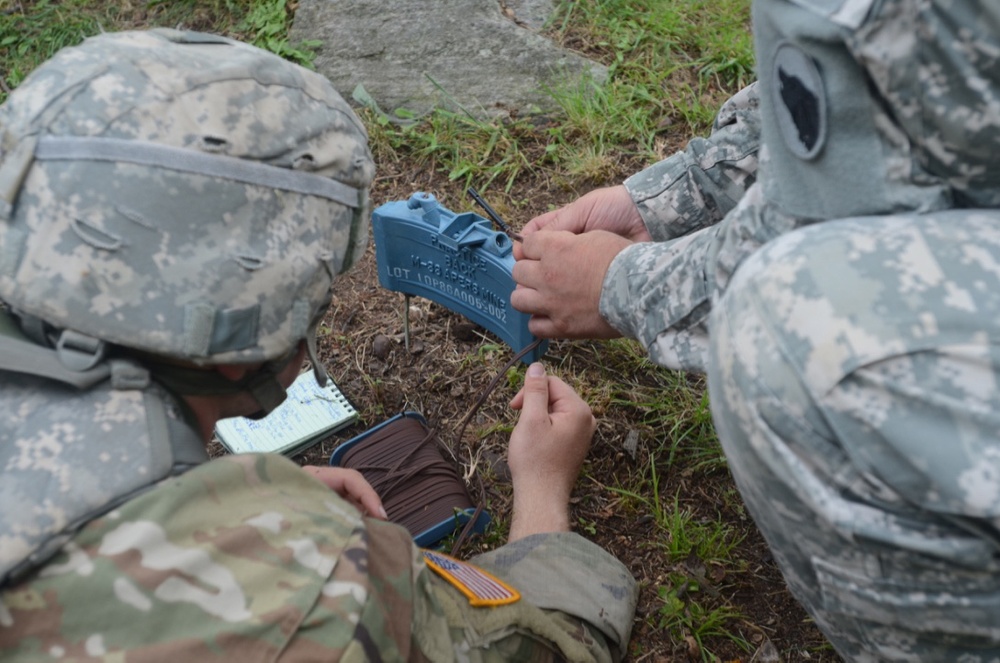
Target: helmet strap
[319, 370]
[79, 352]
[262, 384]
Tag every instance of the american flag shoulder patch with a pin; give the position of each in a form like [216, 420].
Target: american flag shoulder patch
[481, 588]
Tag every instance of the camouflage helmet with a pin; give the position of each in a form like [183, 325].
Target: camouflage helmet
[181, 194]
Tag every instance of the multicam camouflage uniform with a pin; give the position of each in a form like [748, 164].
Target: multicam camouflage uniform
[247, 558]
[192, 197]
[851, 285]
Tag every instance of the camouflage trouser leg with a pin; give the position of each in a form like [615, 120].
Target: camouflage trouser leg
[854, 375]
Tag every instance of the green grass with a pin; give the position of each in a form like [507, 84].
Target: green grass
[668, 63]
[671, 64]
[468, 149]
[697, 538]
[266, 26]
[28, 40]
[686, 618]
[32, 31]
[651, 38]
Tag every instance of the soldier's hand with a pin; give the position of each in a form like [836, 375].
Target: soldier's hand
[559, 280]
[547, 449]
[352, 486]
[610, 209]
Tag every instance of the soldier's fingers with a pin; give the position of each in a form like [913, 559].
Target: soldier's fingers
[355, 487]
[519, 249]
[535, 395]
[370, 502]
[527, 273]
[564, 398]
[528, 300]
[539, 222]
[533, 246]
[517, 402]
[543, 326]
[351, 485]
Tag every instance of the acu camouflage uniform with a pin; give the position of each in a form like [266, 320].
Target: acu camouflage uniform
[193, 197]
[831, 257]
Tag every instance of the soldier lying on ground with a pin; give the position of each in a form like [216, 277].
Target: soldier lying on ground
[844, 299]
[175, 207]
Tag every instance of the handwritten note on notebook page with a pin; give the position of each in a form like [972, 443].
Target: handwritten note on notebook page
[308, 414]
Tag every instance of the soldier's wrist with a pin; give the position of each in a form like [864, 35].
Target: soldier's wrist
[538, 516]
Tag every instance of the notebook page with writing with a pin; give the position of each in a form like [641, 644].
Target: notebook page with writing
[309, 413]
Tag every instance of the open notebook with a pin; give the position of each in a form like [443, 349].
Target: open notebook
[308, 414]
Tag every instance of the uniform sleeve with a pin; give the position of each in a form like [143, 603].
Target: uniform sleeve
[695, 188]
[565, 572]
[660, 292]
[577, 603]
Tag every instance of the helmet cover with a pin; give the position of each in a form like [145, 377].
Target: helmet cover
[181, 194]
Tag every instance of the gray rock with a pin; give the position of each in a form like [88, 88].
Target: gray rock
[631, 444]
[417, 54]
[767, 653]
[533, 14]
[381, 346]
